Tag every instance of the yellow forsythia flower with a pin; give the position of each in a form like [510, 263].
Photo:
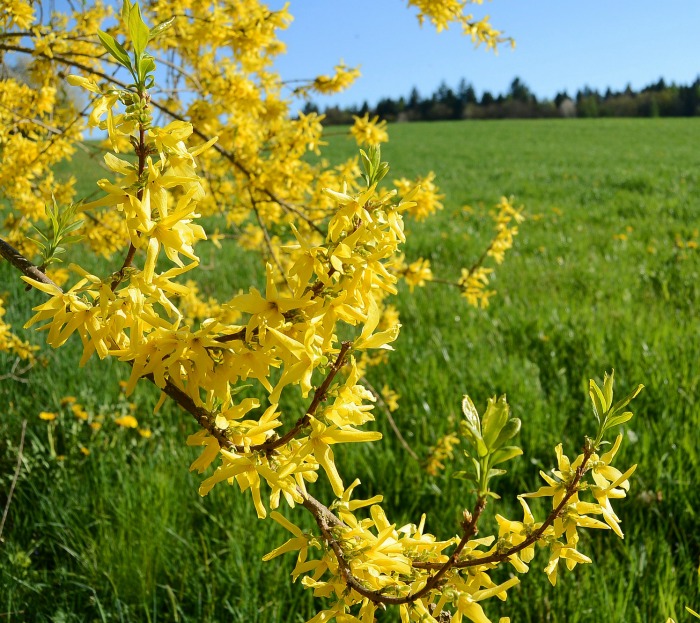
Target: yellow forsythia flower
[391, 398]
[368, 131]
[127, 421]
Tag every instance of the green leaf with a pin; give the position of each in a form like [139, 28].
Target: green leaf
[374, 156]
[126, 9]
[496, 472]
[366, 162]
[41, 245]
[240, 388]
[67, 229]
[510, 430]
[481, 448]
[477, 468]
[619, 419]
[619, 406]
[72, 239]
[464, 475]
[494, 419]
[146, 67]
[608, 382]
[471, 414]
[598, 399]
[381, 171]
[505, 454]
[138, 30]
[159, 29]
[115, 49]
[38, 231]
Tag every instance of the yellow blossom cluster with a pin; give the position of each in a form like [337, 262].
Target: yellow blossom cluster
[441, 452]
[381, 562]
[473, 284]
[343, 77]
[443, 13]
[10, 343]
[415, 274]
[426, 199]
[320, 319]
[504, 216]
[16, 13]
[390, 398]
[368, 131]
[82, 429]
[474, 281]
[256, 176]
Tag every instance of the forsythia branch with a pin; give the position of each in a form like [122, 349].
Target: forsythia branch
[22, 264]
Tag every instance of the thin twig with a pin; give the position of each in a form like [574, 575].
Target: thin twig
[22, 264]
[322, 515]
[172, 114]
[571, 489]
[141, 152]
[14, 478]
[390, 419]
[14, 374]
[268, 240]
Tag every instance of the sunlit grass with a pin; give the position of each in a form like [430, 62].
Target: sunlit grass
[601, 277]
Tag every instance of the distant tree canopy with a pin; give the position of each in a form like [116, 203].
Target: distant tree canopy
[519, 102]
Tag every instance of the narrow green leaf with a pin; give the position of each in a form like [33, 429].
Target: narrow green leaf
[597, 399]
[148, 66]
[67, 229]
[619, 419]
[72, 239]
[608, 382]
[477, 468]
[463, 475]
[137, 30]
[494, 419]
[471, 414]
[115, 49]
[510, 430]
[505, 454]
[126, 9]
[41, 245]
[381, 172]
[619, 406]
[496, 472]
[481, 448]
[38, 231]
[159, 29]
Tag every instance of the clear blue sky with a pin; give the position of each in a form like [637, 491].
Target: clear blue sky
[561, 45]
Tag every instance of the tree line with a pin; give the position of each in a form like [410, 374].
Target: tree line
[519, 102]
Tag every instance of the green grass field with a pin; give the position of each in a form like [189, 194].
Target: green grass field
[601, 276]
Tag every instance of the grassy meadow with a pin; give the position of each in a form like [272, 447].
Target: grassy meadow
[604, 274]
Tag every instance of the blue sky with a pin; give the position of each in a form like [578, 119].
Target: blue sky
[560, 45]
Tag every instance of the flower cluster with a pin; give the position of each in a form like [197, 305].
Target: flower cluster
[322, 317]
[368, 131]
[75, 430]
[444, 13]
[385, 564]
[12, 344]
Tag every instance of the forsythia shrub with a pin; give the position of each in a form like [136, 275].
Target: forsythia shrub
[332, 241]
